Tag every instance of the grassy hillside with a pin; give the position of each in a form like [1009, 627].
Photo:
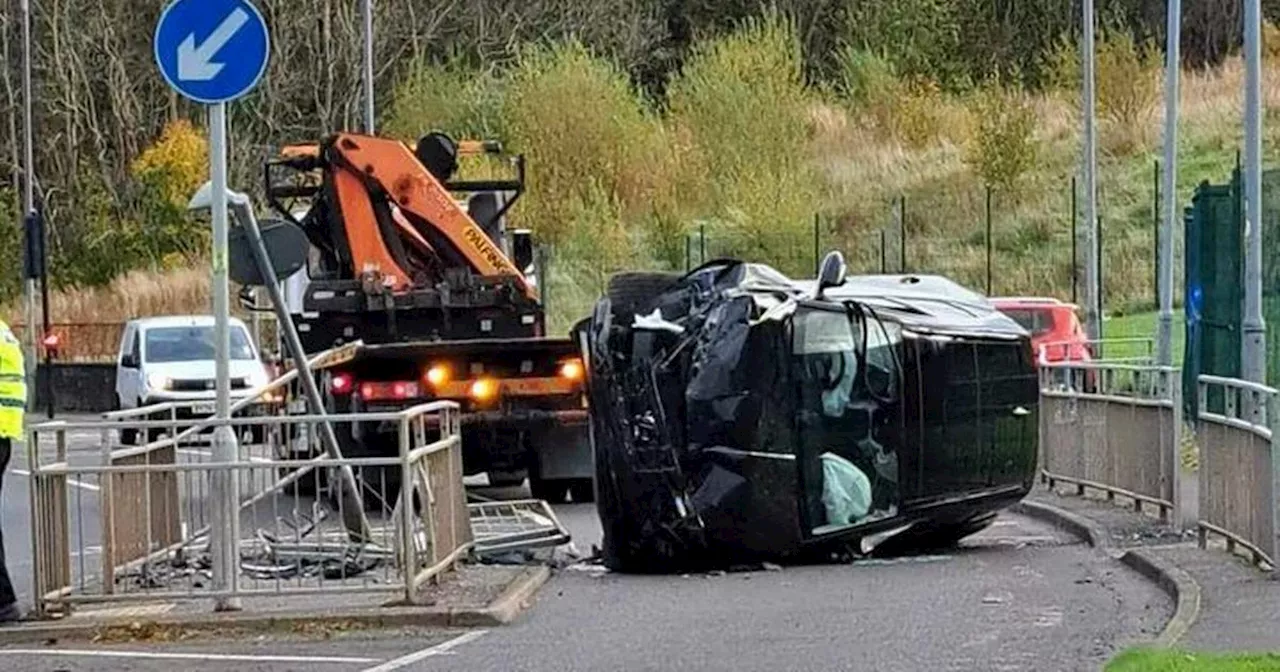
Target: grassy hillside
[746, 149]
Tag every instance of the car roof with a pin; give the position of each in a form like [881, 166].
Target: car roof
[179, 321]
[926, 303]
[1031, 302]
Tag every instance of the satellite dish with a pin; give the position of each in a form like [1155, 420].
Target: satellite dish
[287, 247]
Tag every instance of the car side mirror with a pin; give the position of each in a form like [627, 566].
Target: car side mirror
[833, 273]
[522, 248]
[129, 361]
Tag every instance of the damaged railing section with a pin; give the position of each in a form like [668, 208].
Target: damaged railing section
[115, 523]
[1238, 466]
[1113, 427]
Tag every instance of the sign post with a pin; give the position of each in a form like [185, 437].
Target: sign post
[213, 52]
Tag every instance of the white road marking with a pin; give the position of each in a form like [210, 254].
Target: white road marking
[207, 657]
[72, 481]
[437, 650]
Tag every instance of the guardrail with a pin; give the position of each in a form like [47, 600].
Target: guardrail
[1239, 466]
[1113, 427]
[147, 511]
[1110, 350]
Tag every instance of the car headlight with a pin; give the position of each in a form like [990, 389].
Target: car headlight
[157, 381]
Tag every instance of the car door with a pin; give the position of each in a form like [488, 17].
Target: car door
[129, 367]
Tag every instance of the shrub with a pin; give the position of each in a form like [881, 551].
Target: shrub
[865, 77]
[451, 97]
[177, 164]
[1004, 145]
[742, 100]
[1128, 78]
[583, 128]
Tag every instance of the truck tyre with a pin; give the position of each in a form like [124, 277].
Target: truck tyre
[634, 292]
[553, 491]
[582, 490]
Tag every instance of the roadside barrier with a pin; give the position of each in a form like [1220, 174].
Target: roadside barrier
[1112, 426]
[113, 522]
[1238, 466]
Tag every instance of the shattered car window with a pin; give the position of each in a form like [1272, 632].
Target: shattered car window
[840, 460]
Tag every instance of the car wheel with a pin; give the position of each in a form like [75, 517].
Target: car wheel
[635, 292]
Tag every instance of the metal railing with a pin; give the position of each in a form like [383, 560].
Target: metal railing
[147, 511]
[1111, 350]
[1239, 467]
[1113, 427]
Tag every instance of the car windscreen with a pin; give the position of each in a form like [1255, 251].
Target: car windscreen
[191, 344]
[1037, 322]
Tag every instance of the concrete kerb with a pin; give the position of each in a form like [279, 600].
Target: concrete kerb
[509, 604]
[1091, 532]
[1178, 584]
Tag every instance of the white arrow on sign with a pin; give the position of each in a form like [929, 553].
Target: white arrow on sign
[195, 63]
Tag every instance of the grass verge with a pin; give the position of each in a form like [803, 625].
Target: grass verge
[1142, 660]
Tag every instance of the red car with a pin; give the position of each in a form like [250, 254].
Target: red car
[1052, 323]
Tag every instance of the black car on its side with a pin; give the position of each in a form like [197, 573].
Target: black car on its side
[740, 416]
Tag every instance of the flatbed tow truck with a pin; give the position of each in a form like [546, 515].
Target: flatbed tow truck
[420, 270]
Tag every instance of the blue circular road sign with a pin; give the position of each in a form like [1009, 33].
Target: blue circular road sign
[212, 51]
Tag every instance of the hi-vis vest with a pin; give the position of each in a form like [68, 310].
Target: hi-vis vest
[13, 385]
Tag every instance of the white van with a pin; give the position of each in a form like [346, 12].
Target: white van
[163, 359]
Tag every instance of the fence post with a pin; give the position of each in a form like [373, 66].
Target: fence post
[988, 240]
[1155, 234]
[1075, 252]
[409, 556]
[902, 233]
[817, 254]
[702, 241]
[1273, 415]
[884, 264]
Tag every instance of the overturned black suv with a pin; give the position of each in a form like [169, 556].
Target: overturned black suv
[740, 416]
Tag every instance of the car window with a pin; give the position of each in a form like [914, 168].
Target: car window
[191, 344]
[882, 361]
[825, 345]
[135, 348]
[1037, 322]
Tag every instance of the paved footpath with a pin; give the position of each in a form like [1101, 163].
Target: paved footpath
[1239, 607]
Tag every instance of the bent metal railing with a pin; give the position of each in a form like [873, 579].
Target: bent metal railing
[1239, 467]
[1113, 427]
[146, 511]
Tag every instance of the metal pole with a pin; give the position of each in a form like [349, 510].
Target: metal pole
[367, 15]
[988, 240]
[223, 542]
[353, 510]
[1164, 264]
[1254, 329]
[28, 188]
[1075, 244]
[1093, 288]
[1097, 251]
[46, 328]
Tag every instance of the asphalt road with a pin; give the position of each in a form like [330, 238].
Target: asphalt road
[1018, 596]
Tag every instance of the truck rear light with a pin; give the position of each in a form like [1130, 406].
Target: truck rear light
[572, 370]
[341, 383]
[438, 375]
[400, 389]
[484, 389]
